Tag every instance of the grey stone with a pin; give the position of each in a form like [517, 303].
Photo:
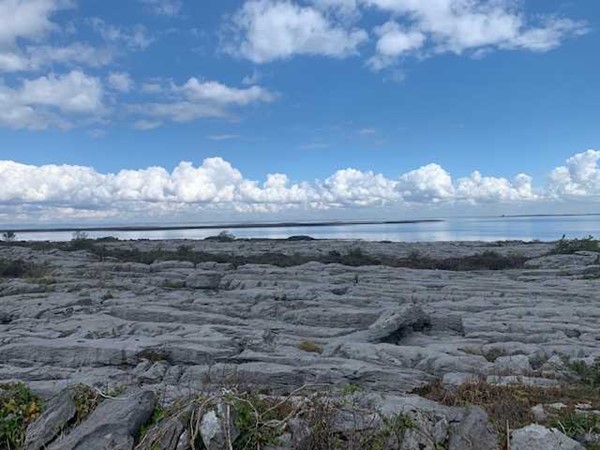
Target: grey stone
[217, 428]
[393, 325]
[474, 432]
[203, 280]
[114, 424]
[539, 413]
[514, 364]
[537, 437]
[165, 435]
[56, 416]
[453, 379]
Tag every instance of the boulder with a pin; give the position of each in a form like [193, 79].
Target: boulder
[537, 437]
[58, 413]
[114, 424]
[395, 324]
[474, 432]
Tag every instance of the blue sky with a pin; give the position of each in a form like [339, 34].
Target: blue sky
[364, 107]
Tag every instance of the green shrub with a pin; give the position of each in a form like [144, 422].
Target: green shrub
[18, 408]
[9, 236]
[569, 246]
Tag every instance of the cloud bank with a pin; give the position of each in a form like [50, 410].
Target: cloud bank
[28, 192]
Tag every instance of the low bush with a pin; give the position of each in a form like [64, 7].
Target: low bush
[18, 408]
[568, 246]
[18, 268]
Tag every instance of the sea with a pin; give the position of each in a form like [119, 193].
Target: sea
[526, 228]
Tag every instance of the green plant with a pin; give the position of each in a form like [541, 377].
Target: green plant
[18, 268]
[86, 400]
[260, 421]
[107, 296]
[173, 284]
[588, 373]
[568, 246]
[9, 236]
[223, 236]
[18, 408]
[157, 415]
[576, 423]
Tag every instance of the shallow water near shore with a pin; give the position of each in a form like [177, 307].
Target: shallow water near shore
[545, 228]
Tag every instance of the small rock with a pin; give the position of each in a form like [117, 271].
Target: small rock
[456, 379]
[537, 437]
[557, 406]
[539, 413]
[217, 428]
[165, 435]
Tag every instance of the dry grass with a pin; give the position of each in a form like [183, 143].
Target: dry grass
[511, 405]
[310, 346]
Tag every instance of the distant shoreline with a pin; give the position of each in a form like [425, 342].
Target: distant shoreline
[219, 226]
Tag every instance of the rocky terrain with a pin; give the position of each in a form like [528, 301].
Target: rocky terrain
[162, 317]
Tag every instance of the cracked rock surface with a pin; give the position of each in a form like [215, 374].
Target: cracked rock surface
[179, 326]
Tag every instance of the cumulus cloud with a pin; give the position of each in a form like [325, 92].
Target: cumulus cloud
[197, 99]
[52, 100]
[393, 42]
[27, 19]
[267, 30]
[578, 178]
[217, 185]
[459, 26]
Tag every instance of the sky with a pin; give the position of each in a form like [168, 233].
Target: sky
[197, 111]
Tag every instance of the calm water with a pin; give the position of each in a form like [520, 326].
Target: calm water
[463, 229]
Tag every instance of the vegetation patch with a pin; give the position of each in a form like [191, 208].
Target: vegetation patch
[18, 268]
[511, 405]
[86, 400]
[569, 246]
[18, 408]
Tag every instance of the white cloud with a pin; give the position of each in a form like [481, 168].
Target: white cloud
[135, 37]
[197, 99]
[267, 30]
[579, 177]
[428, 183]
[27, 19]
[170, 8]
[223, 137]
[458, 26]
[216, 184]
[394, 41]
[120, 81]
[35, 57]
[479, 189]
[53, 100]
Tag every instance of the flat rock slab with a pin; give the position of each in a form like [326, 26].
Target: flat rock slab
[110, 323]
